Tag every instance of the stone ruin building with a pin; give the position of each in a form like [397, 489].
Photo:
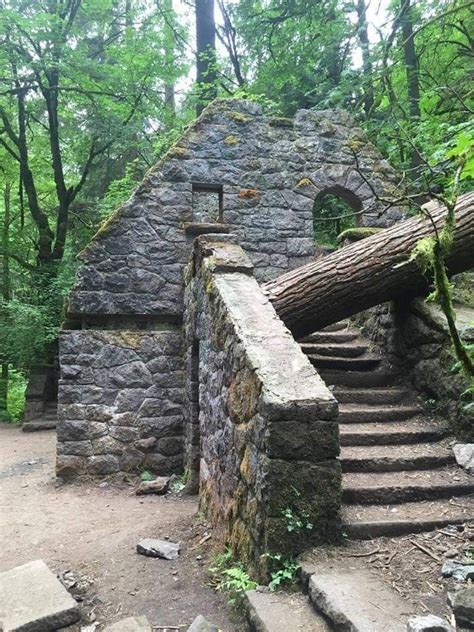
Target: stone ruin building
[172, 359]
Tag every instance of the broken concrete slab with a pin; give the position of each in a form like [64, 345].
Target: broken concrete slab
[34, 600]
[428, 623]
[463, 608]
[464, 455]
[159, 548]
[200, 624]
[358, 601]
[159, 485]
[275, 611]
[131, 624]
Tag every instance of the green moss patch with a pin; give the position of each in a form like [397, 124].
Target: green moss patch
[356, 234]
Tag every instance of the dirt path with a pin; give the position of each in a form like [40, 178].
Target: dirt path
[92, 530]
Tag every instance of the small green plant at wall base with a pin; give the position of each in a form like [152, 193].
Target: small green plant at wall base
[283, 571]
[230, 576]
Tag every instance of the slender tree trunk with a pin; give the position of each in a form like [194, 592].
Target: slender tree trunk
[412, 67]
[6, 293]
[366, 60]
[205, 53]
[372, 271]
[170, 104]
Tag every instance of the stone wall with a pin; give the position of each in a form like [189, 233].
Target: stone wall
[269, 436]
[120, 402]
[270, 171]
[415, 334]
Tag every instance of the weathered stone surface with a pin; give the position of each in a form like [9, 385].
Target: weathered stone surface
[130, 411]
[464, 454]
[200, 624]
[277, 611]
[159, 486]
[158, 548]
[463, 608]
[269, 440]
[131, 624]
[358, 601]
[32, 599]
[271, 177]
[428, 623]
[461, 572]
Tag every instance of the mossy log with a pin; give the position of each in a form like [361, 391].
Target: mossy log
[369, 272]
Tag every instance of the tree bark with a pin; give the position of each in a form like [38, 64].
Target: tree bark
[372, 271]
[6, 293]
[366, 60]
[205, 53]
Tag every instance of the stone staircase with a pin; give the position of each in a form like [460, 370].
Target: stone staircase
[47, 420]
[399, 473]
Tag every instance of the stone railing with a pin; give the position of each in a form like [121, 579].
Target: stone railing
[265, 421]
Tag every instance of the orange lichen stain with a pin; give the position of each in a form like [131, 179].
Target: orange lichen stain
[248, 193]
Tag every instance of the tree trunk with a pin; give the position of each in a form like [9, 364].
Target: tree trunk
[411, 66]
[366, 60]
[4, 415]
[372, 271]
[205, 53]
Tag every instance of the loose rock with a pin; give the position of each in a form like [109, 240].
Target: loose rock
[158, 548]
[461, 572]
[159, 485]
[131, 624]
[200, 624]
[428, 623]
[464, 455]
[463, 608]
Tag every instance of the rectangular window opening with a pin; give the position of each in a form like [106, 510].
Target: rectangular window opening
[208, 203]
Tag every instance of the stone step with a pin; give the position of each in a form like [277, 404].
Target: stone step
[382, 396]
[398, 487]
[345, 350]
[357, 601]
[364, 522]
[365, 362]
[391, 433]
[382, 376]
[380, 458]
[33, 426]
[331, 337]
[360, 413]
[342, 324]
[281, 611]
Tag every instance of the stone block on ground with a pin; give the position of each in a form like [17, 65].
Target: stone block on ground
[464, 455]
[158, 548]
[131, 624]
[458, 570]
[428, 623]
[159, 485]
[463, 608]
[34, 600]
[200, 624]
[358, 601]
[276, 611]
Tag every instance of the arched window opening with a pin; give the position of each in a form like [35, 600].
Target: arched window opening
[335, 210]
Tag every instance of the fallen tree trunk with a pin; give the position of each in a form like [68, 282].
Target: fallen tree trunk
[369, 272]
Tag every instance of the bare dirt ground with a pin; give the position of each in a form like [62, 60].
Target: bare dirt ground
[91, 530]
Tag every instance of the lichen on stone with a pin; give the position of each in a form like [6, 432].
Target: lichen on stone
[178, 152]
[239, 117]
[248, 193]
[304, 182]
[231, 140]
